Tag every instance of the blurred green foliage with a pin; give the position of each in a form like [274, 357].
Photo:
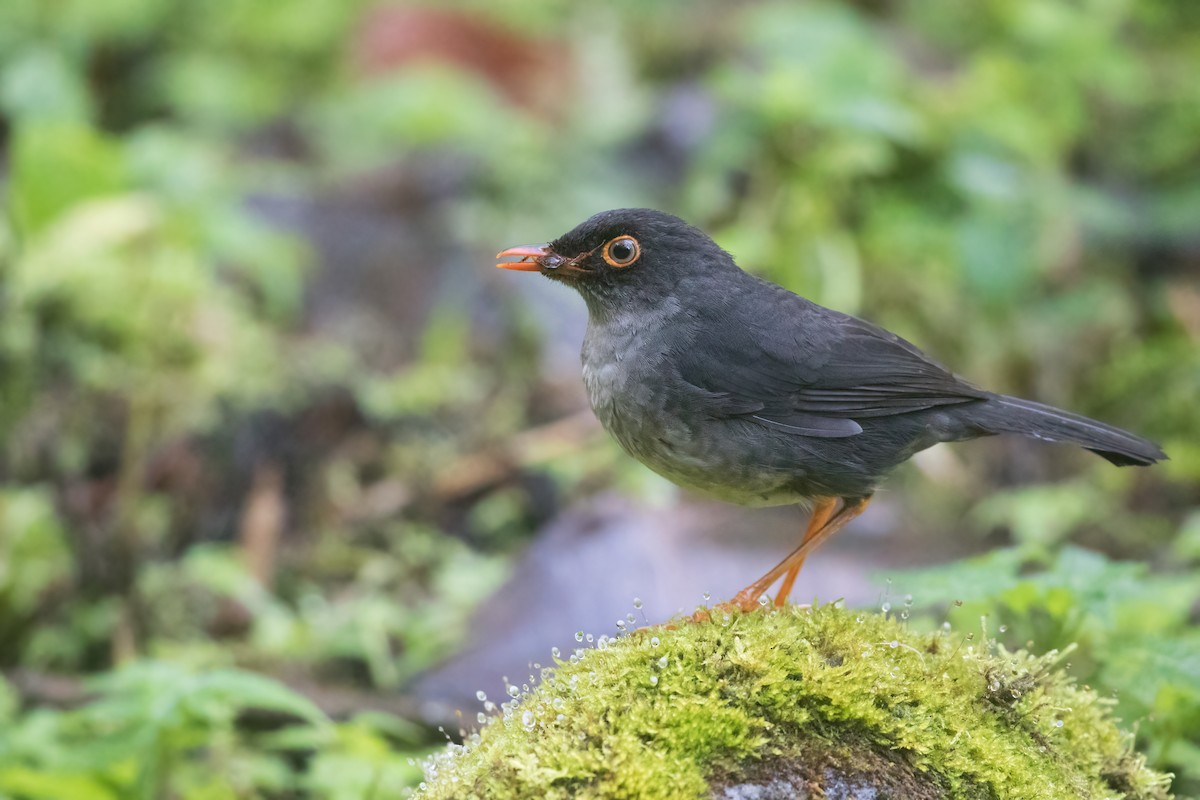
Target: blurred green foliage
[1133, 630]
[1014, 184]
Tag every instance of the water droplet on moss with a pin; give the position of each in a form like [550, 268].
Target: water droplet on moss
[480, 696]
[763, 601]
[654, 680]
[513, 691]
[637, 602]
[555, 652]
[886, 607]
[527, 719]
[620, 624]
[1058, 723]
[1003, 628]
[579, 636]
[482, 717]
[662, 663]
[894, 643]
[588, 637]
[654, 641]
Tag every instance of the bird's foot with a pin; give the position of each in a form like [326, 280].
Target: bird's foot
[742, 605]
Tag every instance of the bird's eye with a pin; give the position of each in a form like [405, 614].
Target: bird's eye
[622, 251]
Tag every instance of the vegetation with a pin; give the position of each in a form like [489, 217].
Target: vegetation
[239, 480]
[818, 697]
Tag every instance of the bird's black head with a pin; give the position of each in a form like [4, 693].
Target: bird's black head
[623, 256]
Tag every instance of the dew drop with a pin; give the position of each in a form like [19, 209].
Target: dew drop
[589, 637]
[513, 691]
[527, 719]
[894, 643]
[886, 607]
[482, 717]
[480, 696]
[654, 680]
[859, 619]
[908, 599]
[637, 602]
[555, 652]
[662, 663]
[763, 601]
[1003, 628]
[1058, 723]
[946, 625]
[630, 618]
[654, 641]
[620, 624]
[579, 636]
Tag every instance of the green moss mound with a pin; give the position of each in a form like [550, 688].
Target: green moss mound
[816, 702]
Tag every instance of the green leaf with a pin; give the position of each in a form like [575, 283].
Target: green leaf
[56, 166]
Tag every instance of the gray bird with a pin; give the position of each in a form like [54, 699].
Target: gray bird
[739, 389]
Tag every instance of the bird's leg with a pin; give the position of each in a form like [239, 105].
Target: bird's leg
[747, 599]
[822, 510]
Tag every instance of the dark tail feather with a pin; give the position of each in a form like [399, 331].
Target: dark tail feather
[1004, 414]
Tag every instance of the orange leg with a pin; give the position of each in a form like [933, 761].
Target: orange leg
[822, 511]
[747, 599]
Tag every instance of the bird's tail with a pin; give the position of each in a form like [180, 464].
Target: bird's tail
[1003, 414]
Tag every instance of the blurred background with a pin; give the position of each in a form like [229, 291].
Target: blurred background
[290, 472]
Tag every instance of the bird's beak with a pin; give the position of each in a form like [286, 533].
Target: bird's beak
[531, 257]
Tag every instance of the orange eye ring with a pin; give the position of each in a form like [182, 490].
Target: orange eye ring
[622, 252]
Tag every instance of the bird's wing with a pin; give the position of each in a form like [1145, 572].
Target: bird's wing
[816, 372]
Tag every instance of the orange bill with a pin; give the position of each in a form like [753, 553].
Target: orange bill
[528, 256]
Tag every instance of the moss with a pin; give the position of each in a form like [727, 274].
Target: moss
[801, 695]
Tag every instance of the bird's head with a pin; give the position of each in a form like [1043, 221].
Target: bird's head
[624, 256]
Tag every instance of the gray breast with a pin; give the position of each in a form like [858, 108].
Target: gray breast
[636, 395]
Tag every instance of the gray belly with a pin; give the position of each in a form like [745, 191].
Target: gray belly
[719, 458]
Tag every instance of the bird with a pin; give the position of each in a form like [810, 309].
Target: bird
[734, 387]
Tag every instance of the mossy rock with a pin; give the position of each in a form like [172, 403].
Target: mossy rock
[796, 704]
